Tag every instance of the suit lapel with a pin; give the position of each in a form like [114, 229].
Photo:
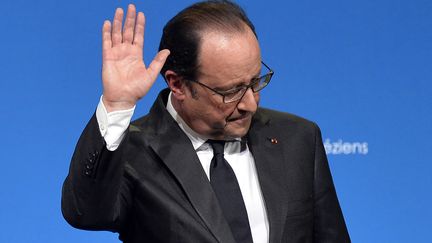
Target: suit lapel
[269, 159]
[177, 153]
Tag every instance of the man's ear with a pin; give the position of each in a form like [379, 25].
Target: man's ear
[176, 84]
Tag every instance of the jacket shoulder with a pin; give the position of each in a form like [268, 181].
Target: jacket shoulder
[280, 118]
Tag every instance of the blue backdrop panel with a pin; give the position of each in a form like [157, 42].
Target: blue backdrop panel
[361, 69]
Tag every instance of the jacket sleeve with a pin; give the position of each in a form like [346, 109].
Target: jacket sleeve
[95, 194]
[329, 224]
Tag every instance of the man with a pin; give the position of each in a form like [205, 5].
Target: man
[206, 164]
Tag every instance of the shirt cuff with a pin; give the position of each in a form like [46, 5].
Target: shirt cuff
[113, 125]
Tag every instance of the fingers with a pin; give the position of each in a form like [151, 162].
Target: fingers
[133, 30]
[116, 35]
[106, 36]
[157, 63]
[128, 29]
[139, 30]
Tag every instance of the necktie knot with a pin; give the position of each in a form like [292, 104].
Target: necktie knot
[217, 145]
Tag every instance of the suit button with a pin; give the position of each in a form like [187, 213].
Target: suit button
[89, 167]
[91, 161]
[87, 172]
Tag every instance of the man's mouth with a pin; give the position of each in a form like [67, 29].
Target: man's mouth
[238, 118]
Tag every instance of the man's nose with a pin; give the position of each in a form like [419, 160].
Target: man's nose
[249, 101]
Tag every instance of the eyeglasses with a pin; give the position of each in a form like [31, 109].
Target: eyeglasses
[237, 93]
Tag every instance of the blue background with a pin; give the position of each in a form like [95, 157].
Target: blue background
[361, 69]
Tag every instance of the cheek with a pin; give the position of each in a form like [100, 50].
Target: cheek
[210, 114]
[217, 110]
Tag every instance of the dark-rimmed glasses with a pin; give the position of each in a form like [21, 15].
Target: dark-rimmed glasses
[237, 93]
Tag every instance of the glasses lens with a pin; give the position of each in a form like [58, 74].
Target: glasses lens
[234, 96]
[256, 85]
[262, 82]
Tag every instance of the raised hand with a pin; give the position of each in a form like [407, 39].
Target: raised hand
[125, 77]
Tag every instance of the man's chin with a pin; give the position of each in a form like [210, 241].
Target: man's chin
[232, 129]
[238, 128]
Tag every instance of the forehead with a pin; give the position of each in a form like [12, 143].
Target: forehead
[228, 57]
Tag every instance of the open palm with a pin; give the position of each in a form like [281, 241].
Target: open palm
[125, 77]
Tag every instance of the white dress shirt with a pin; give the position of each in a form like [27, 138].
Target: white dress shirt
[114, 124]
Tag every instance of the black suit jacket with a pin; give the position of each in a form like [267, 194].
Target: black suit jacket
[154, 189]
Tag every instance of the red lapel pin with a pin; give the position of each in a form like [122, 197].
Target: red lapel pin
[273, 140]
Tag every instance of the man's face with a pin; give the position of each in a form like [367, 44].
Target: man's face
[226, 61]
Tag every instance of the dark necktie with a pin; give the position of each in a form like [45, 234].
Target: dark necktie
[226, 187]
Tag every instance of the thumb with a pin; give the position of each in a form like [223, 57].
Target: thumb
[157, 63]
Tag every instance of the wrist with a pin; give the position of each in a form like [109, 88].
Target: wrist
[111, 106]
